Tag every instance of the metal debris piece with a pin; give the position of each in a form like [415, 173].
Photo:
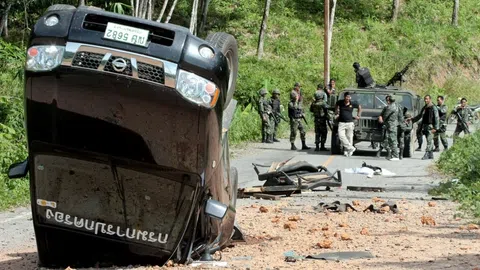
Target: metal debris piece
[361, 188]
[392, 207]
[336, 206]
[339, 256]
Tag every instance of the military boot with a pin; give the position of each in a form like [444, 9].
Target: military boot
[430, 155]
[419, 148]
[389, 154]
[400, 153]
[263, 137]
[293, 147]
[316, 147]
[426, 156]
[275, 138]
[304, 146]
[437, 149]
[323, 147]
[379, 152]
[269, 139]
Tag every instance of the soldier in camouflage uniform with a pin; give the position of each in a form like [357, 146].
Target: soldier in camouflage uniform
[401, 130]
[442, 114]
[408, 125]
[419, 136]
[319, 108]
[389, 117]
[430, 124]
[265, 111]
[466, 114]
[295, 113]
[275, 103]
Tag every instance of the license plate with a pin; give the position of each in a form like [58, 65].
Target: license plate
[126, 34]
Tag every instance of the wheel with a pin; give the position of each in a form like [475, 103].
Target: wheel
[60, 7]
[335, 145]
[410, 146]
[234, 181]
[227, 44]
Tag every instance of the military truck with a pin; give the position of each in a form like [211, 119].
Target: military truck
[372, 101]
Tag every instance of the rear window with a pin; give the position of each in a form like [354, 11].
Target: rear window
[377, 100]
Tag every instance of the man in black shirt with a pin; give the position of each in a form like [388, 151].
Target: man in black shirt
[344, 115]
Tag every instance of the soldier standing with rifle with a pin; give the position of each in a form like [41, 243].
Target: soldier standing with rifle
[275, 103]
[464, 115]
[319, 108]
[430, 124]
[295, 113]
[401, 130]
[389, 118]
[442, 114]
[266, 114]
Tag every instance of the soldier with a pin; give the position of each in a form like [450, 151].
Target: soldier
[275, 103]
[295, 113]
[442, 115]
[297, 89]
[408, 125]
[265, 111]
[401, 130]
[419, 136]
[430, 124]
[363, 76]
[321, 89]
[319, 108]
[466, 114]
[389, 117]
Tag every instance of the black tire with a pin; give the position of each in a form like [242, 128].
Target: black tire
[410, 147]
[60, 7]
[227, 44]
[335, 145]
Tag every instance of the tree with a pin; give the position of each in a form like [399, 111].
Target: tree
[331, 20]
[4, 21]
[263, 28]
[395, 9]
[172, 8]
[81, 2]
[162, 11]
[456, 6]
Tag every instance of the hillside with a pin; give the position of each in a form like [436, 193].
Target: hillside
[447, 58]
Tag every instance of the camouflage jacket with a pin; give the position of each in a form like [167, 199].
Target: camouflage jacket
[390, 115]
[264, 106]
[295, 110]
[442, 114]
[400, 117]
[465, 113]
[319, 108]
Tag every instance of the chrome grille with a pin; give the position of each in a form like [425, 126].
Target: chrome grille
[150, 73]
[87, 60]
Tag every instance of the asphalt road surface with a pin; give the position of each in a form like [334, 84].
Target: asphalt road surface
[412, 180]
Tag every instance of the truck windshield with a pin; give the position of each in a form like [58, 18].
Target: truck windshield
[377, 100]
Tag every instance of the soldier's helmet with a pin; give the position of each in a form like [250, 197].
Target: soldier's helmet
[296, 84]
[276, 91]
[263, 91]
[356, 65]
[318, 95]
[293, 95]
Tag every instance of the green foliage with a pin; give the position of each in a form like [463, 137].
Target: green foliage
[462, 161]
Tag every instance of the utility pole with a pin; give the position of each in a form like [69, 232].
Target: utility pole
[326, 46]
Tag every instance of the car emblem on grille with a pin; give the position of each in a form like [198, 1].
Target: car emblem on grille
[119, 64]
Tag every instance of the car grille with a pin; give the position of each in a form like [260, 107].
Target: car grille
[144, 71]
[369, 123]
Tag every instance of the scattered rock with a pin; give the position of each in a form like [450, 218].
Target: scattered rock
[325, 244]
[325, 228]
[294, 218]
[375, 199]
[345, 236]
[356, 203]
[290, 226]
[364, 231]
[275, 220]
[343, 225]
[428, 220]
[263, 209]
[432, 204]
[472, 227]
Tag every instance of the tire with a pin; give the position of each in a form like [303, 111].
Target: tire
[227, 44]
[60, 7]
[335, 145]
[410, 148]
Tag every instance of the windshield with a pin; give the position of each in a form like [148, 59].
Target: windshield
[377, 100]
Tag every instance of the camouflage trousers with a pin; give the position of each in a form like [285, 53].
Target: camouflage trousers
[427, 131]
[401, 137]
[275, 128]
[321, 131]
[267, 124]
[390, 141]
[443, 137]
[458, 129]
[419, 135]
[294, 125]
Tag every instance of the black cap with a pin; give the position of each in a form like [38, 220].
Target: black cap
[356, 64]
[320, 86]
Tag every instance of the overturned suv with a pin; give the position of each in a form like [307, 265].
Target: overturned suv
[127, 124]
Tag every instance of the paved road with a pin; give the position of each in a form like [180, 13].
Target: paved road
[412, 180]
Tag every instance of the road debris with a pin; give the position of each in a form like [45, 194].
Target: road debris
[335, 206]
[428, 220]
[325, 244]
[263, 209]
[432, 204]
[339, 256]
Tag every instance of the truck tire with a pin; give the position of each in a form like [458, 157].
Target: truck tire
[60, 7]
[227, 44]
[410, 147]
[335, 145]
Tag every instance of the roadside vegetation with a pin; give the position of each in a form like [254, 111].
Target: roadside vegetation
[447, 58]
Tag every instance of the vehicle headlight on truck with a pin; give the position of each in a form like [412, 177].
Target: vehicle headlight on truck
[44, 57]
[197, 89]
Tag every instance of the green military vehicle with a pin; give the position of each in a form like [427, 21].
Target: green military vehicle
[372, 101]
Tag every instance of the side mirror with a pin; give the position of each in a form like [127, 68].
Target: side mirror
[215, 209]
[18, 170]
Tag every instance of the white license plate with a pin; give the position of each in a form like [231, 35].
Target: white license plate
[126, 34]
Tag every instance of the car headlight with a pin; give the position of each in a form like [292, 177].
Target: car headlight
[44, 57]
[197, 89]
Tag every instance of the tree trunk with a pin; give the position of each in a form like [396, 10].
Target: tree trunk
[204, 15]
[193, 19]
[164, 7]
[81, 2]
[137, 6]
[331, 21]
[132, 5]
[395, 9]
[172, 8]
[263, 28]
[456, 6]
[4, 21]
[150, 10]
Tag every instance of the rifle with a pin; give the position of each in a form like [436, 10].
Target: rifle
[279, 115]
[462, 122]
[398, 77]
[306, 123]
